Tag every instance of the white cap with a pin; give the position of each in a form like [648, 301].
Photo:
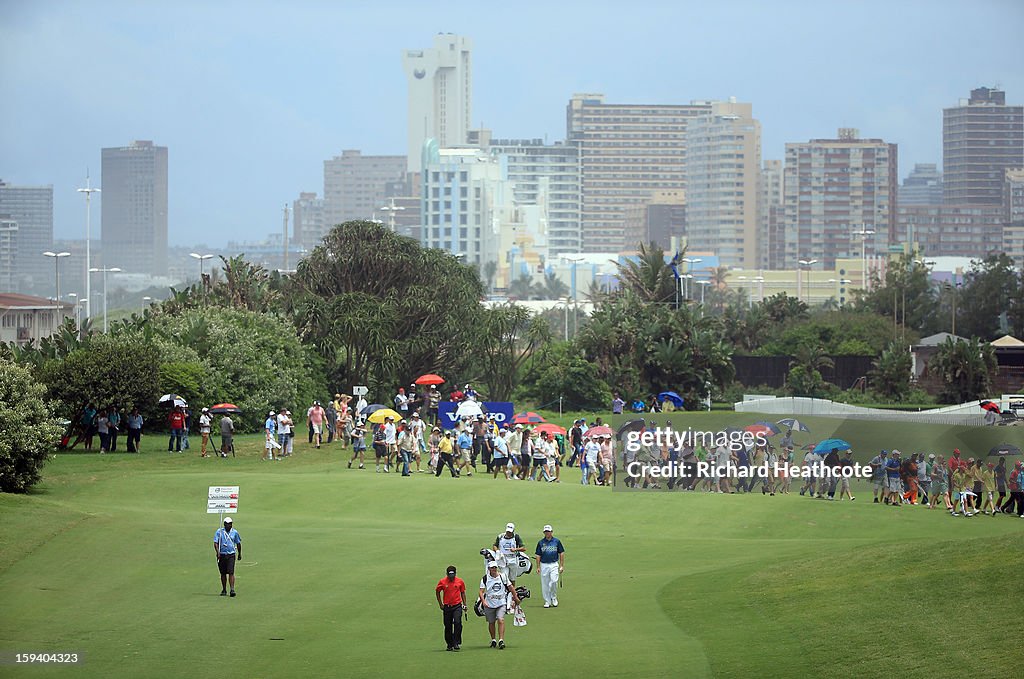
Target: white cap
[492, 564]
[510, 526]
[547, 528]
[270, 414]
[228, 519]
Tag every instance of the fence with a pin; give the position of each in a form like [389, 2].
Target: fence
[771, 370]
[966, 414]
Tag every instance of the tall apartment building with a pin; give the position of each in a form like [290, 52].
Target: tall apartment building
[662, 221]
[134, 212]
[1013, 215]
[627, 152]
[723, 172]
[355, 186]
[923, 186]
[309, 223]
[545, 176]
[951, 230]
[465, 201]
[8, 251]
[30, 208]
[770, 216]
[982, 137]
[440, 94]
[835, 188]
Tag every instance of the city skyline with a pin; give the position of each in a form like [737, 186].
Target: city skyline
[250, 110]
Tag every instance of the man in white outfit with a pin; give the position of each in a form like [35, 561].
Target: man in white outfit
[550, 557]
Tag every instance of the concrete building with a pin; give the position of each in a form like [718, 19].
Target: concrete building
[723, 172]
[355, 186]
[814, 287]
[982, 137]
[951, 230]
[465, 202]
[835, 188]
[309, 220]
[1013, 196]
[923, 186]
[25, 319]
[8, 251]
[545, 176]
[134, 208]
[772, 239]
[440, 94]
[627, 152]
[662, 220]
[31, 208]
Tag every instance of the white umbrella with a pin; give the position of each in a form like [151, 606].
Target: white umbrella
[468, 409]
[171, 400]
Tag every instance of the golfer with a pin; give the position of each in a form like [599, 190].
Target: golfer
[227, 545]
[451, 598]
[494, 589]
[550, 562]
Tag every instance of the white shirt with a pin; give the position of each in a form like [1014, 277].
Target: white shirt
[591, 450]
[390, 433]
[204, 423]
[495, 589]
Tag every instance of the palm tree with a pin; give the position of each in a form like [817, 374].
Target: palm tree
[648, 276]
[522, 288]
[553, 287]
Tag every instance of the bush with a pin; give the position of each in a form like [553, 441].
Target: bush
[29, 429]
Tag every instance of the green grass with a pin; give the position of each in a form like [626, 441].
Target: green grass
[112, 556]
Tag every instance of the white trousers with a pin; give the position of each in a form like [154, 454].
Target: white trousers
[549, 581]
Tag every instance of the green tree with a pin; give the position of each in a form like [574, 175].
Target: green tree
[522, 289]
[990, 289]
[648, 276]
[560, 370]
[553, 287]
[906, 294]
[29, 429]
[964, 368]
[506, 337]
[805, 368]
[890, 378]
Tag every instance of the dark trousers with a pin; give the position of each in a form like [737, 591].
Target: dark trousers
[175, 441]
[104, 441]
[113, 440]
[1016, 499]
[445, 459]
[481, 448]
[310, 427]
[134, 438]
[453, 625]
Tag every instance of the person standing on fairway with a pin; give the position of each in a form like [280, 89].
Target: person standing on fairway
[510, 545]
[550, 562]
[494, 589]
[227, 545]
[453, 605]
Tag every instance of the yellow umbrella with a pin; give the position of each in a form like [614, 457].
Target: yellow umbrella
[378, 416]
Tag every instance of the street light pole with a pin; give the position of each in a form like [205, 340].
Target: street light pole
[145, 300]
[202, 259]
[104, 271]
[800, 265]
[574, 258]
[864, 233]
[56, 268]
[391, 209]
[88, 191]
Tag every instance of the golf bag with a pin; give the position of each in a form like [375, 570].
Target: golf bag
[518, 564]
[478, 608]
[522, 592]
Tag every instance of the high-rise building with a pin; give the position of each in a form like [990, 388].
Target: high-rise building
[723, 172]
[545, 176]
[466, 198]
[8, 251]
[308, 220]
[982, 137]
[1013, 197]
[840, 195]
[662, 221]
[770, 216]
[440, 94]
[355, 186]
[951, 230]
[134, 212]
[923, 186]
[31, 209]
[627, 152]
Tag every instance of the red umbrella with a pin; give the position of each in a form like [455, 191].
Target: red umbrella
[429, 378]
[552, 429]
[600, 431]
[990, 406]
[225, 409]
[528, 418]
[760, 429]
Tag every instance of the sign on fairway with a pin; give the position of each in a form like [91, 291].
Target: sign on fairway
[359, 390]
[222, 500]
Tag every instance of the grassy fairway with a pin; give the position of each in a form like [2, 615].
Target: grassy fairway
[113, 558]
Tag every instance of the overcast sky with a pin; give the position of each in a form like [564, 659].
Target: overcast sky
[252, 97]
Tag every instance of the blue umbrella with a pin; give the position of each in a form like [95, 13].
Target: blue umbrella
[795, 424]
[676, 399]
[828, 445]
[769, 425]
[371, 409]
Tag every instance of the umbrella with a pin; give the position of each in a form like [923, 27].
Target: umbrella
[171, 400]
[1004, 449]
[672, 396]
[990, 406]
[371, 409]
[429, 378]
[765, 423]
[225, 409]
[378, 415]
[760, 429]
[794, 424]
[601, 430]
[809, 446]
[627, 427]
[468, 409]
[828, 445]
[528, 418]
[552, 429]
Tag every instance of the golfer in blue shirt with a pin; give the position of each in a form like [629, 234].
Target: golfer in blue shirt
[227, 545]
[550, 557]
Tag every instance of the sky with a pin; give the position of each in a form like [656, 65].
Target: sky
[252, 97]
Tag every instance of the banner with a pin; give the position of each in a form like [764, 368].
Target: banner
[503, 412]
[222, 500]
